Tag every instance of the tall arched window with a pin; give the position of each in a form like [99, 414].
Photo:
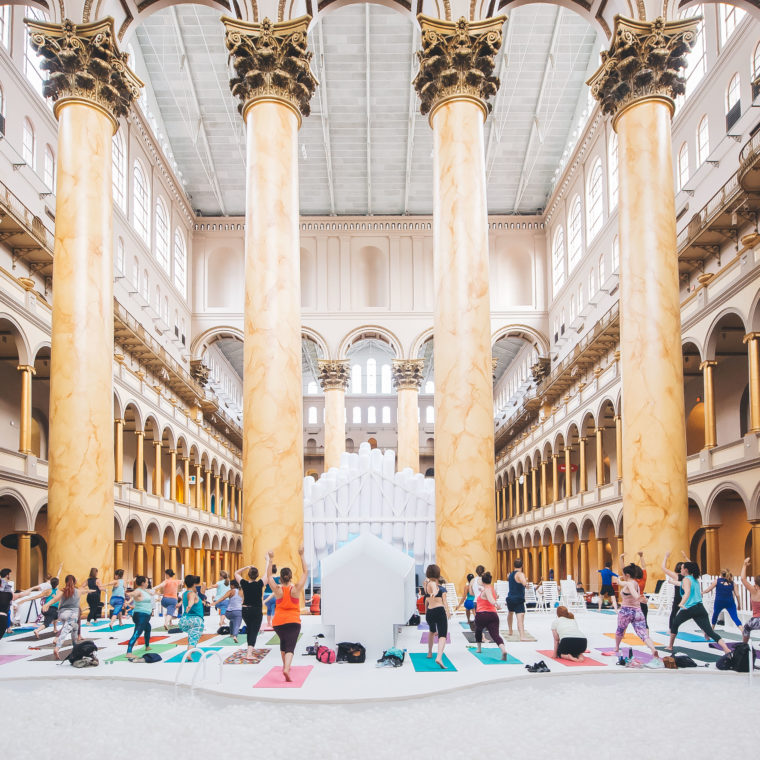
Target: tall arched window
[180, 262]
[120, 255]
[683, 166]
[612, 169]
[558, 258]
[311, 389]
[756, 65]
[48, 168]
[5, 23]
[145, 286]
[696, 66]
[733, 101]
[602, 270]
[429, 415]
[371, 376]
[429, 387]
[371, 415]
[162, 235]
[119, 170]
[615, 254]
[357, 415]
[574, 234]
[591, 284]
[703, 140]
[385, 379]
[312, 415]
[730, 18]
[580, 299]
[141, 202]
[594, 205]
[28, 144]
[386, 419]
[32, 61]
[356, 378]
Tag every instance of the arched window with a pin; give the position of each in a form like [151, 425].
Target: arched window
[145, 286]
[357, 415]
[591, 284]
[602, 270]
[371, 416]
[2, 95]
[311, 389]
[594, 205]
[120, 256]
[386, 415]
[703, 140]
[356, 378]
[28, 141]
[32, 61]
[429, 415]
[572, 307]
[730, 18]
[558, 258]
[574, 234]
[312, 415]
[733, 101]
[5, 23]
[385, 379]
[683, 166]
[615, 254]
[429, 387]
[162, 235]
[165, 311]
[119, 170]
[755, 66]
[157, 300]
[48, 169]
[612, 169]
[180, 262]
[141, 202]
[580, 299]
[696, 66]
[371, 376]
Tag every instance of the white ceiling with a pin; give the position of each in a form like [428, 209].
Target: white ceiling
[548, 53]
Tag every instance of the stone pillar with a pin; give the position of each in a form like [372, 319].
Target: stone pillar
[118, 555]
[407, 379]
[217, 494]
[599, 557]
[709, 404]
[525, 502]
[755, 553]
[713, 549]
[207, 567]
[172, 562]
[518, 509]
[620, 545]
[534, 495]
[198, 562]
[753, 355]
[583, 478]
[545, 561]
[600, 456]
[186, 480]
[173, 474]
[187, 560]
[583, 571]
[91, 88]
[158, 574]
[555, 562]
[544, 490]
[454, 83]
[639, 78]
[119, 451]
[511, 506]
[274, 84]
[198, 487]
[139, 460]
[157, 474]
[25, 422]
[226, 500]
[333, 377]
[619, 445]
[24, 561]
[207, 504]
[569, 559]
[139, 559]
[568, 473]
[555, 477]
[218, 562]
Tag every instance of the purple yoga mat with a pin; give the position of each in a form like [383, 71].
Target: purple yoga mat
[644, 657]
[731, 645]
[424, 639]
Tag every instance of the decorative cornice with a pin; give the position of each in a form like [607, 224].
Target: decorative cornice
[644, 62]
[407, 374]
[84, 64]
[457, 61]
[271, 62]
[334, 374]
[199, 372]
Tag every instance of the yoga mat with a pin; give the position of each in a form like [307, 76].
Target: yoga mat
[182, 642]
[466, 626]
[732, 645]
[139, 652]
[684, 636]
[43, 636]
[106, 629]
[631, 640]
[470, 636]
[276, 640]
[239, 657]
[422, 664]
[637, 653]
[516, 637]
[64, 653]
[547, 653]
[195, 657]
[6, 658]
[228, 642]
[695, 654]
[141, 640]
[426, 636]
[492, 656]
[275, 680]
[18, 631]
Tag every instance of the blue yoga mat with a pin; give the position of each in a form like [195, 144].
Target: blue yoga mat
[492, 656]
[684, 636]
[195, 657]
[422, 664]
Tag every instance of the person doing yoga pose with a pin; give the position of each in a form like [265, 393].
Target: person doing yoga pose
[436, 611]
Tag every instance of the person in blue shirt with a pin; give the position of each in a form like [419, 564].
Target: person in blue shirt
[607, 591]
[726, 597]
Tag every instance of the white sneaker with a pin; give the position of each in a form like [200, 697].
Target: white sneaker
[655, 663]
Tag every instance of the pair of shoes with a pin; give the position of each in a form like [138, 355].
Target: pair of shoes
[634, 664]
[538, 667]
[655, 663]
[621, 661]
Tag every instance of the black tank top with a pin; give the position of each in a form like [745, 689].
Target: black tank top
[516, 590]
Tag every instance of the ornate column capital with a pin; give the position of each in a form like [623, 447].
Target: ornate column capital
[84, 65]
[457, 61]
[708, 363]
[407, 374]
[271, 62]
[644, 62]
[334, 374]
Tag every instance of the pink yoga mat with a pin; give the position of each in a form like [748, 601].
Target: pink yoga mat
[6, 658]
[424, 639]
[588, 661]
[275, 680]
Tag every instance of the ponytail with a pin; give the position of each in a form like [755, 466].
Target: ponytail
[70, 587]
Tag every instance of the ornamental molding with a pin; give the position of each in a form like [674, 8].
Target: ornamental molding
[457, 61]
[334, 374]
[271, 62]
[407, 374]
[645, 61]
[84, 64]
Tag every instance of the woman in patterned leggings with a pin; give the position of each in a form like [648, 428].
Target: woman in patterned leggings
[192, 621]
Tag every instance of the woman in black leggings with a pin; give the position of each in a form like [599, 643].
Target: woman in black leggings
[253, 591]
[486, 615]
[436, 612]
[94, 589]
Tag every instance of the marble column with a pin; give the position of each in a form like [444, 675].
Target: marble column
[198, 562]
[226, 500]
[569, 559]
[157, 474]
[599, 556]
[525, 501]
[637, 83]
[600, 456]
[620, 546]
[455, 83]
[172, 562]
[198, 487]
[555, 562]
[118, 555]
[568, 473]
[173, 474]
[334, 375]
[207, 567]
[583, 571]
[518, 509]
[207, 503]
[753, 355]
[274, 84]
[712, 546]
[709, 403]
[755, 551]
[511, 506]
[217, 494]
[158, 574]
[407, 379]
[139, 559]
[544, 490]
[187, 561]
[218, 562]
[139, 460]
[534, 495]
[81, 446]
[119, 451]
[555, 477]
[583, 479]
[24, 561]
[619, 445]
[25, 417]
[186, 480]
[545, 561]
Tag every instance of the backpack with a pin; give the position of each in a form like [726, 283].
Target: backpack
[149, 657]
[80, 650]
[414, 619]
[736, 660]
[225, 629]
[325, 654]
[684, 661]
[348, 652]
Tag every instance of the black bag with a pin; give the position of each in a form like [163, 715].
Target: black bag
[81, 650]
[724, 663]
[348, 652]
[740, 658]
[414, 619]
[684, 661]
[224, 629]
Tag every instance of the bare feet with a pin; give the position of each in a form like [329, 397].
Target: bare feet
[56, 653]
[440, 664]
[430, 656]
[36, 634]
[523, 638]
[504, 656]
[286, 673]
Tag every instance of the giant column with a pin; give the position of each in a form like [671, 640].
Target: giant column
[274, 84]
[454, 83]
[333, 377]
[636, 84]
[407, 379]
[91, 87]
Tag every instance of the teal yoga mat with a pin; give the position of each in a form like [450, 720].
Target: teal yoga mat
[695, 654]
[492, 656]
[422, 664]
[140, 651]
[684, 636]
[275, 640]
[195, 656]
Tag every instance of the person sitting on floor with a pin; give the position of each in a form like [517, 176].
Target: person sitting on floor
[569, 642]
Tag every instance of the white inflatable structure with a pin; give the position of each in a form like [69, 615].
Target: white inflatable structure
[365, 495]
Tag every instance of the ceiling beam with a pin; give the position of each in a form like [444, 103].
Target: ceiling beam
[325, 115]
[367, 95]
[412, 120]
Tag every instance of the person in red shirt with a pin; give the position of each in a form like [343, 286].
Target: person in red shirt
[641, 579]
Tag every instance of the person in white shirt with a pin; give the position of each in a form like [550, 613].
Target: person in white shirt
[569, 642]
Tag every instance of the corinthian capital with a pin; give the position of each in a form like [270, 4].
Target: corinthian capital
[271, 62]
[646, 60]
[333, 374]
[407, 374]
[84, 64]
[457, 61]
